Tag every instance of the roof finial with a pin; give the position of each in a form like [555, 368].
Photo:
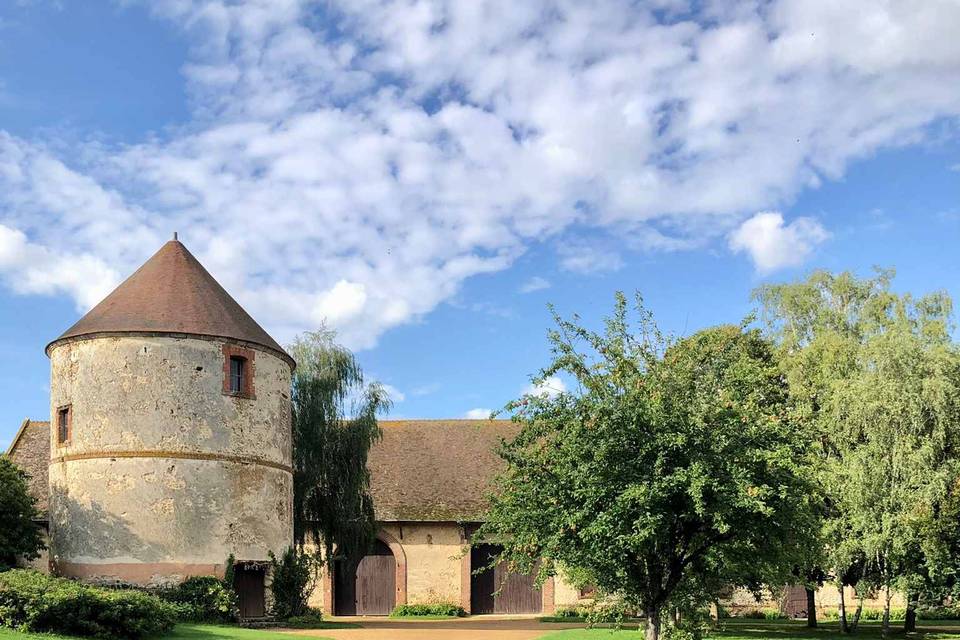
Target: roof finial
[174, 235]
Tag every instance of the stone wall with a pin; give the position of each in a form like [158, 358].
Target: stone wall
[164, 475]
[742, 601]
[433, 567]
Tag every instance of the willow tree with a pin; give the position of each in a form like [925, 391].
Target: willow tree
[334, 425]
[671, 471]
[875, 379]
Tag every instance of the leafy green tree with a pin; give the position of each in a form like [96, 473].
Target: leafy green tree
[875, 379]
[19, 534]
[334, 425]
[670, 472]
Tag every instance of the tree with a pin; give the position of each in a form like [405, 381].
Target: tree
[19, 534]
[875, 378]
[334, 425]
[670, 472]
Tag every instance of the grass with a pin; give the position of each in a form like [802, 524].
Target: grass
[181, 632]
[781, 630]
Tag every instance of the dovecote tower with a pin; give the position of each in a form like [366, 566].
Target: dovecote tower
[170, 433]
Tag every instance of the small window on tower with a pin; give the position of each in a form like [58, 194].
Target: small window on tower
[238, 373]
[64, 424]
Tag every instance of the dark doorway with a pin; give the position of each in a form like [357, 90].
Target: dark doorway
[367, 587]
[499, 590]
[249, 585]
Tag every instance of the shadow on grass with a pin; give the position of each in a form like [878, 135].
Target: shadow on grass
[785, 629]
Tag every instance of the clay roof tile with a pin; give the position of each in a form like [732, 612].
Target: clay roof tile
[172, 293]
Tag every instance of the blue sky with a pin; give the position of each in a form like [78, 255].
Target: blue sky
[427, 178]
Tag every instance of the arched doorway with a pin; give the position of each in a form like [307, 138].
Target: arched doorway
[367, 587]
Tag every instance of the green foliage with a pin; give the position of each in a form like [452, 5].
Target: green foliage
[294, 577]
[437, 609]
[874, 614]
[309, 619]
[939, 613]
[671, 472]
[203, 599]
[578, 612]
[32, 601]
[334, 426]
[762, 614]
[19, 535]
[875, 382]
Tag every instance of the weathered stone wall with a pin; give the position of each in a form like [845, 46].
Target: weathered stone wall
[165, 475]
[433, 552]
[742, 601]
[433, 567]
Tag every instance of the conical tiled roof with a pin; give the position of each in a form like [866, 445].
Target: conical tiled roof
[172, 293]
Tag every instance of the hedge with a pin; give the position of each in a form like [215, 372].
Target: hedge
[35, 602]
[438, 609]
[203, 599]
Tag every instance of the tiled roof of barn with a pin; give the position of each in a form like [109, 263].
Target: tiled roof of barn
[172, 293]
[435, 470]
[421, 471]
[30, 450]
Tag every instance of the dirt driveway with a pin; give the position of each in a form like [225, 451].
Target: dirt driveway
[465, 629]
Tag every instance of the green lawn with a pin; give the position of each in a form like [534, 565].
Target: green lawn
[180, 632]
[780, 630]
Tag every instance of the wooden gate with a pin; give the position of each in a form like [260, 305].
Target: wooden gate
[500, 590]
[249, 585]
[367, 587]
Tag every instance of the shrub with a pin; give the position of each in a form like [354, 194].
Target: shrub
[572, 612]
[32, 601]
[613, 612]
[436, 609]
[294, 577]
[938, 613]
[311, 618]
[762, 614]
[203, 599]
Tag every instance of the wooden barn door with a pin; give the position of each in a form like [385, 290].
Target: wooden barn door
[794, 601]
[500, 590]
[249, 585]
[367, 587]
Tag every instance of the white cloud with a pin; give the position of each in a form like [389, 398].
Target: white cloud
[536, 283]
[426, 389]
[551, 387]
[357, 161]
[955, 167]
[478, 414]
[395, 394]
[586, 258]
[772, 244]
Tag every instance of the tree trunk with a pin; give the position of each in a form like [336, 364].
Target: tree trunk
[910, 620]
[856, 614]
[885, 631]
[653, 624]
[811, 608]
[843, 612]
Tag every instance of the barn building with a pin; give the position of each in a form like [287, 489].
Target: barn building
[169, 450]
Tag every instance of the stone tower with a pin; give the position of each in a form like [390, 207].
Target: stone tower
[170, 433]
